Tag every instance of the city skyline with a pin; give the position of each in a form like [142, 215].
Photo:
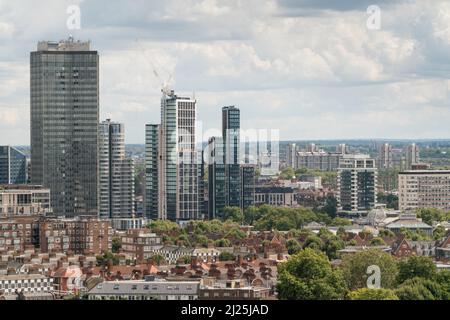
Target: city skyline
[387, 83]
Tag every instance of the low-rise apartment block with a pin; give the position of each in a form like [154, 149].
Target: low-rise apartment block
[140, 244]
[23, 200]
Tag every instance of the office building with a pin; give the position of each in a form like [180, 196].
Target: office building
[424, 189]
[357, 184]
[13, 166]
[231, 138]
[116, 173]
[172, 147]
[248, 183]
[275, 196]
[217, 199]
[24, 200]
[152, 171]
[64, 125]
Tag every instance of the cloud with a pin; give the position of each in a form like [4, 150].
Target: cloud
[310, 68]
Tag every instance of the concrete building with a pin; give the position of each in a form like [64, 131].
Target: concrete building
[424, 189]
[116, 173]
[411, 155]
[128, 223]
[84, 235]
[149, 289]
[173, 146]
[13, 166]
[140, 244]
[26, 286]
[409, 222]
[385, 160]
[19, 233]
[64, 125]
[317, 160]
[357, 184]
[291, 150]
[24, 200]
[275, 196]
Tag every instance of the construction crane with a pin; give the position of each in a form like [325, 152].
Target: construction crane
[165, 86]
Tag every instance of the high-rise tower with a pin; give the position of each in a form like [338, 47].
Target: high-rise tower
[64, 125]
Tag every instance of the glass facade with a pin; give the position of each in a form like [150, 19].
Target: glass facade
[13, 166]
[64, 125]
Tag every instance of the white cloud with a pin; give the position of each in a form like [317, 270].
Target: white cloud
[315, 71]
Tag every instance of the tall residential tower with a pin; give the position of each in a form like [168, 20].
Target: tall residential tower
[172, 147]
[116, 173]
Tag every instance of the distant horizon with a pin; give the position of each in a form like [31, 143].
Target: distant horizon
[319, 140]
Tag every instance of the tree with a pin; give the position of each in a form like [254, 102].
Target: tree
[416, 266]
[233, 213]
[293, 246]
[443, 278]
[439, 233]
[287, 173]
[163, 226]
[430, 215]
[308, 275]
[250, 215]
[421, 289]
[373, 294]
[332, 246]
[338, 222]
[386, 233]
[355, 268]
[330, 207]
[313, 242]
[226, 256]
[158, 259]
[377, 242]
[102, 260]
[222, 243]
[116, 245]
[186, 259]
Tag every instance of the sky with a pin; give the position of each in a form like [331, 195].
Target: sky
[313, 69]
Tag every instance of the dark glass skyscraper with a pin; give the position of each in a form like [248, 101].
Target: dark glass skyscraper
[231, 124]
[64, 125]
[13, 166]
[224, 172]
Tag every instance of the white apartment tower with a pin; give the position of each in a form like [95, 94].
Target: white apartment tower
[116, 173]
[173, 166]
[357, 184]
